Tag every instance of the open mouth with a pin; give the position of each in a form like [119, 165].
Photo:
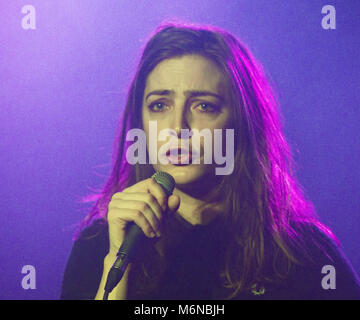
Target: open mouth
[179, 156]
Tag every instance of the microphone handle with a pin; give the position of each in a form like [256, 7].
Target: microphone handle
[134, 238]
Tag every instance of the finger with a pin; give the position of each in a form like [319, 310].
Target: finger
[173, 203]
[150, 186]
[141, 206]
[119, 215]
[141, 196]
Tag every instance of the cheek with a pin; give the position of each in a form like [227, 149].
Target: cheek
[222, 122]
[227, 120]
[145, 120]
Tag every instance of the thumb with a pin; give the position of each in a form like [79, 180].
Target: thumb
[173, 203]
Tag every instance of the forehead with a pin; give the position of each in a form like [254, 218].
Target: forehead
[189, 72]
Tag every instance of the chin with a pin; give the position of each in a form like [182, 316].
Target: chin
[186, 174]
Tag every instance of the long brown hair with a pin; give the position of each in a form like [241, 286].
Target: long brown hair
[268, 206]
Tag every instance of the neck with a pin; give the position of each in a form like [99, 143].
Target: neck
[196, 210]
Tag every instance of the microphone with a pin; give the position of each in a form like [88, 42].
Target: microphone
[133, 239]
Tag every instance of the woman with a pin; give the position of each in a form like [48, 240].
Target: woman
[246, 234]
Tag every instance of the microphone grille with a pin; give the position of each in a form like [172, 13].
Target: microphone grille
[165, 180]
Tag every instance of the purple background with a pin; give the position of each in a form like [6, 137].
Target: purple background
[63, 86]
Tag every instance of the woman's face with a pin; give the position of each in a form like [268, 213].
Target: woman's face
[187, 92]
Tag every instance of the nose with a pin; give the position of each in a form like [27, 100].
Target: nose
[180, 120]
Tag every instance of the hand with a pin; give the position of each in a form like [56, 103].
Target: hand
[145, 204]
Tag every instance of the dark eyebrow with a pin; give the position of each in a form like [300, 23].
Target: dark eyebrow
[159, 93]
[189, 93]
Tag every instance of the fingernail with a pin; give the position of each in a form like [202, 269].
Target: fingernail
[152, 234]
[158, 234]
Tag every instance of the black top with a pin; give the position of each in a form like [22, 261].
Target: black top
[192, 267]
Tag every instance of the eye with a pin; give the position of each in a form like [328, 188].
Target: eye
[157, 107]
[208, 107]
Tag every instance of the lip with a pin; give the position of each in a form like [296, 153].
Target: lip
[179, 156]
[178, 150]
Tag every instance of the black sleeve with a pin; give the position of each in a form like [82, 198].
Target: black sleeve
[85, 264]
[332, 275]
